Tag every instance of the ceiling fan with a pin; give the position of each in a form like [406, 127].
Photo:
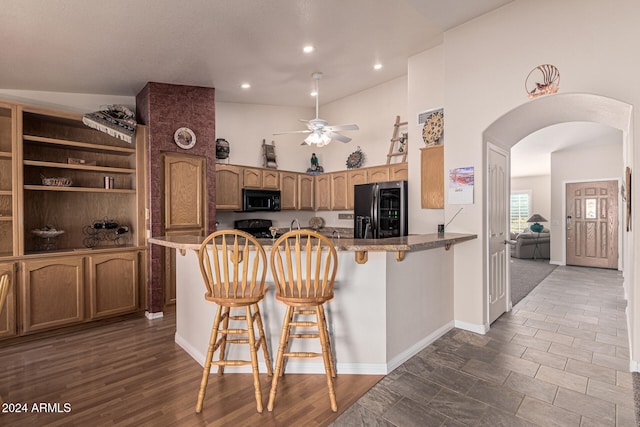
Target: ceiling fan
[320, 132]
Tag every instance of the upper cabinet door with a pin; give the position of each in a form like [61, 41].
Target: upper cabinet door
[378, 174]
[270, 179]
[288, 190]
[252, 178]
[184, 190]
[339, 191]
[228, 187]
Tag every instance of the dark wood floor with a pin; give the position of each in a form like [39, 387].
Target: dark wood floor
[132, 373]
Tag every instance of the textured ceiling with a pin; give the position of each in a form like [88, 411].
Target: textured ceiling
[114, 47]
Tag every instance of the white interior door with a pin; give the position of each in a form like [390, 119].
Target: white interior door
[498, 231]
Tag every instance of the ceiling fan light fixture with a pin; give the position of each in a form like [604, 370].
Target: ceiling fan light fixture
[317, 138]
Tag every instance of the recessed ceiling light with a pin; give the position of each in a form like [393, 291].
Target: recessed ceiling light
[377, 66]
[308, 49]
[314, 93]
[245, 85]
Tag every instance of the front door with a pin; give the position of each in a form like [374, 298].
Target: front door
[592, 224]
[184, 213]
[497, 227]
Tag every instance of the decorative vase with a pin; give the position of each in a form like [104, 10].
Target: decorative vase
[222, 148]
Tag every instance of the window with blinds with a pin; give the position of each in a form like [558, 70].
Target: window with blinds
[520, 210]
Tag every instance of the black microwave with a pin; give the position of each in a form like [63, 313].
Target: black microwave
[260, 200]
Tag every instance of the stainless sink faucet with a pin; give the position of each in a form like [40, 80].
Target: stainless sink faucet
[295, 220]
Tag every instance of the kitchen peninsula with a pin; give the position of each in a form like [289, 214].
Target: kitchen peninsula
[393, 297]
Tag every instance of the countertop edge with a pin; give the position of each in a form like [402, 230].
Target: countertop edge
[417, 242]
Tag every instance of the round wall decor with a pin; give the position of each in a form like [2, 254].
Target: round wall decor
[355, 159]
[433, 128]
[184, 138]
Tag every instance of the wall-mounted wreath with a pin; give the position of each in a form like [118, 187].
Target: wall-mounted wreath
[355, 159]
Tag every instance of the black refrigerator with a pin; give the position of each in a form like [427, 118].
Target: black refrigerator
[380, 210]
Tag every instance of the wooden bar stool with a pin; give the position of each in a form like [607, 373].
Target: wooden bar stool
[234, 279]
[304, 265]
[4, 291]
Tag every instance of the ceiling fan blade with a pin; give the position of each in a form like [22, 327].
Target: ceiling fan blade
[292, 131]
[343, 127]
[339, 137]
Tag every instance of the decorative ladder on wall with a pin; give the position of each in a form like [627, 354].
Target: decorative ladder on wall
[395, 138]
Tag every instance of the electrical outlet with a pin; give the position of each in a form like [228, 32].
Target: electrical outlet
[345, 216]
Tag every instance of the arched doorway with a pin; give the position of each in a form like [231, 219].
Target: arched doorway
[512, 127]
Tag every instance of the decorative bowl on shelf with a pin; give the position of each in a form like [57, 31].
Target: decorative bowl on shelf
[47, 233]
[56, 181]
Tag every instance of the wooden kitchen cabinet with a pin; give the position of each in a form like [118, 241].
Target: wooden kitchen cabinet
[252, 178]
[399, 172]
[339, 191]
[355, 177]
[288, 190]
[8, 313]
[266, 179]
[50, 279]
[432, 177]
[378, 174]
[270, 179]
[305, 192]
[229, 179]
[113, 284]
[51, 293]
[8, 199]
[323, 192]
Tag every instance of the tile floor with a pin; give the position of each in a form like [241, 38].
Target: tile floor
[559, 358]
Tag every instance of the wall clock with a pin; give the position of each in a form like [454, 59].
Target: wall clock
[184, 138]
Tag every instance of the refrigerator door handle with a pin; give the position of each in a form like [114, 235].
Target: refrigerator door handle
[374, 211]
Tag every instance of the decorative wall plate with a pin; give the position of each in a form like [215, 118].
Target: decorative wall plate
[355, 159]
[316, 222]
[433, 128]
[184, 138]
[542, 80]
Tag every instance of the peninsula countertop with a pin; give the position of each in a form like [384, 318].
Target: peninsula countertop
[413, 242]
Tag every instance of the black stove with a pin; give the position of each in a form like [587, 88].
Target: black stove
[258, 228]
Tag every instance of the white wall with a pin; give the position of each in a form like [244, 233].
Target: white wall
[540, 187]
[246, 125]
[426, 92]
[486, 62]
[578, 164]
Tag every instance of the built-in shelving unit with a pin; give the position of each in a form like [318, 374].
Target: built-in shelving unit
[61, 146]
[78, 276]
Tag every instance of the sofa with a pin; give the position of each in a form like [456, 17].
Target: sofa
[523, 245]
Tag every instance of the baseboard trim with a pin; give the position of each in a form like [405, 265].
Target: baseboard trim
[472, 327]
[153, 316]
[417, 347]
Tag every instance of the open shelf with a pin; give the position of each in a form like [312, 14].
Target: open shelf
[5, 154]
[78, 145]
[78, 167]
[78, 189]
